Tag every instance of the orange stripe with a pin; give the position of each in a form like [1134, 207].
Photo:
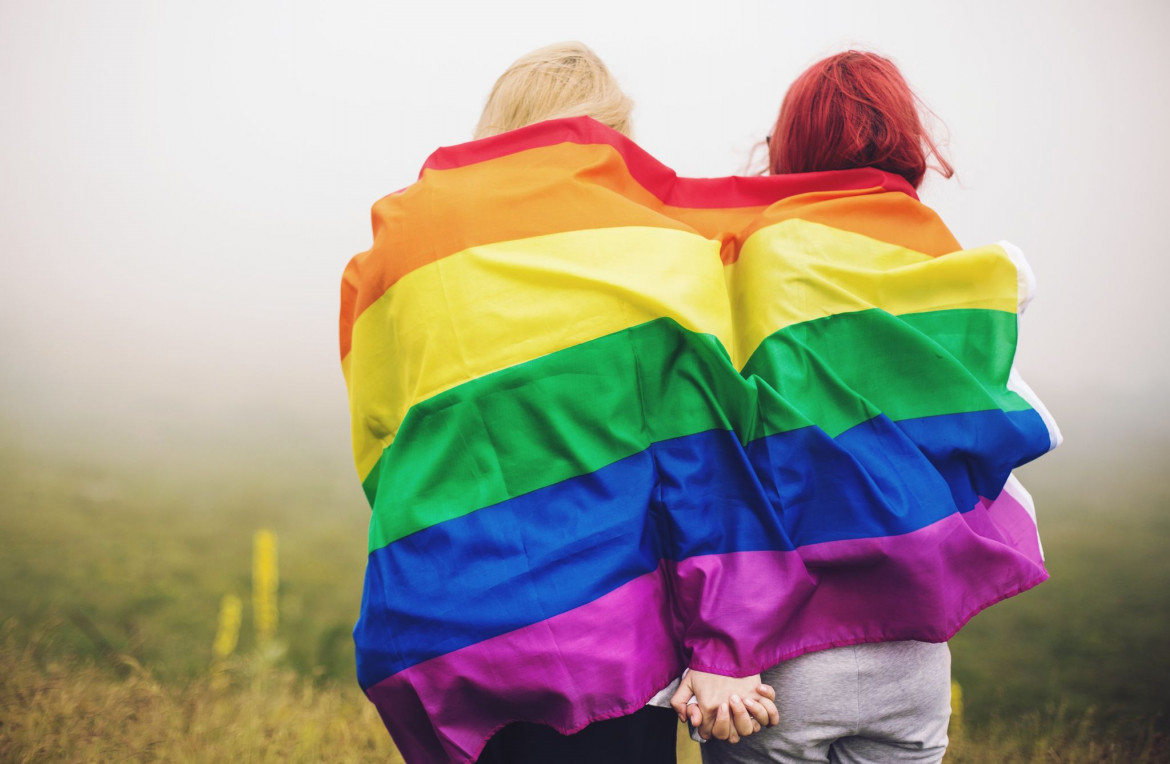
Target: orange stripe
[350, 285]
[579, 186]
[546, 190]
[722, 225]
[564, 187]
[553, 189]
[888, 216]
[401, 219]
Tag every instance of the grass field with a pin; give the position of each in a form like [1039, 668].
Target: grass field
[116, 558]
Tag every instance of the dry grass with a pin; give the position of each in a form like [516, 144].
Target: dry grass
[78, 712]
[1053, 737]
[75, 711]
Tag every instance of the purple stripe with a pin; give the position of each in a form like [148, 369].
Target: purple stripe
[1008, 521]
[746, 611]
[598, 661]
[741, 612]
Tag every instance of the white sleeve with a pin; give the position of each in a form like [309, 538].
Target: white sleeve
[1025, 278]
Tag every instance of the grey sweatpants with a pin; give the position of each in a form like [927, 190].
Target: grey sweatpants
[885, 702]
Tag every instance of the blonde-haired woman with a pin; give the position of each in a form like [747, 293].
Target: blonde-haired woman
[565, 79]
[568, 79]
[584, 672]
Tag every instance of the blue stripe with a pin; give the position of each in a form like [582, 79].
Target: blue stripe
[537, 555]
[884, 478]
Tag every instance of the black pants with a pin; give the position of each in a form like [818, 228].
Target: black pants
[646, 736]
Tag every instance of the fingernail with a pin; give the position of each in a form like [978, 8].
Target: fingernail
[735, 699]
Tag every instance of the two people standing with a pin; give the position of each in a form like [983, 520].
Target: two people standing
[605, 439]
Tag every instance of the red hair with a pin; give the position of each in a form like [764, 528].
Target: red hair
[851, 110]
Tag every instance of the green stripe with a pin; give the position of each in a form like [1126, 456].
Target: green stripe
[559, 416]
[842, 370]
[575, 411]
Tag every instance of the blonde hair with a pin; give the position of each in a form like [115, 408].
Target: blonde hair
[562, 80]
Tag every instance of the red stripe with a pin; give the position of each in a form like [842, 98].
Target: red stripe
[657, 178]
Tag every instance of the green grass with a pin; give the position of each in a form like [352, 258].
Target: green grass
[136, 555]
[1094, 637]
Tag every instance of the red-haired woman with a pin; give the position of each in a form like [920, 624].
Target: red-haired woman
[852, 110]
[887, 701]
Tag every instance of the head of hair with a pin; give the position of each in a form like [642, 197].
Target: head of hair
[852, 110]
[562, 80]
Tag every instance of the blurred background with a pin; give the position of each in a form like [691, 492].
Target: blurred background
[181, 185]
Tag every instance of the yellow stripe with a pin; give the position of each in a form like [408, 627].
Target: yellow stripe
[494, 306]
[797, 271]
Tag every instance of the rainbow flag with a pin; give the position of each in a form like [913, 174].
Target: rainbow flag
[612, 423]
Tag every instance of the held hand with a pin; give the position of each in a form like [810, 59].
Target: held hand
[723, 707]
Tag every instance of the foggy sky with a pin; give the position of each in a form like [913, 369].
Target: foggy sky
[181, 184]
